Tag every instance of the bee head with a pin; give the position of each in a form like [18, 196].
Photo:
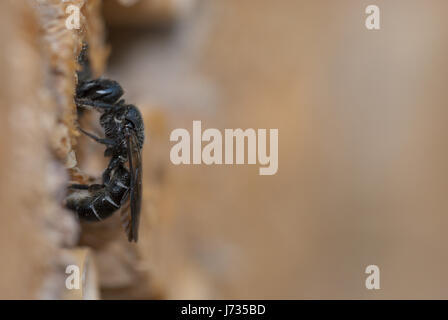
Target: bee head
[103, 90]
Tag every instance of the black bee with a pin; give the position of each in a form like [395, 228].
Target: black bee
[124, 138]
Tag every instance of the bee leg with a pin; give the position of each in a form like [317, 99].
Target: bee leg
[114, 163]
[78, 186]
[90, 187]
[97, 139]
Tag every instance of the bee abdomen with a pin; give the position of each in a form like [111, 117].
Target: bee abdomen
[99, 204]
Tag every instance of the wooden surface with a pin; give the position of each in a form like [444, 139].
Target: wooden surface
[37, 63]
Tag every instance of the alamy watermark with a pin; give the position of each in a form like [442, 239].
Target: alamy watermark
[73, 20]
[373, 280]
[373, 18]
[220, 150]
[73, 280]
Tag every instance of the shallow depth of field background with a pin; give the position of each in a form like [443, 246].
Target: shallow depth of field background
[362, 147]
[363, 153]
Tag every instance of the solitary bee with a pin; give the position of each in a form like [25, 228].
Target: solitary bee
[124, 138]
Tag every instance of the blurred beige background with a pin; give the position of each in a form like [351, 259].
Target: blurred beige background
[362, 154]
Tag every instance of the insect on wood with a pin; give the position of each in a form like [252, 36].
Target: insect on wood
[123, 138]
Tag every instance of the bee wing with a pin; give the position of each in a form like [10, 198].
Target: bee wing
[135, 168]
